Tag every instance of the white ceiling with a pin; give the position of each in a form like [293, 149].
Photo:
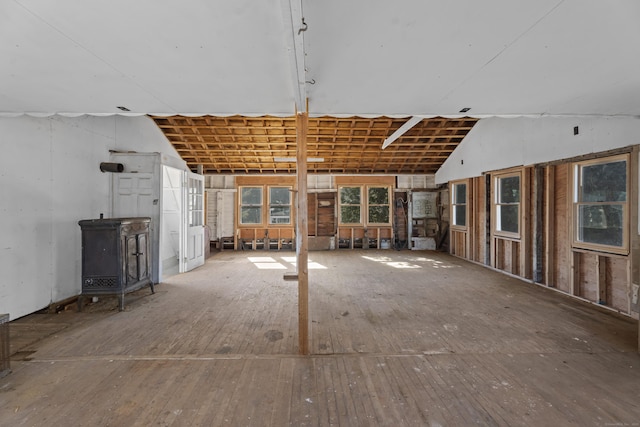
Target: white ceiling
[365, 57]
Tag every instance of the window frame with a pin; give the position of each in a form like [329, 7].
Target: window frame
[453, 191]
[253, 205]
[576, 175]
[271, 205]
[496, 204]
[364, 206]
[340, 205]
[195, 200]
[369, 204]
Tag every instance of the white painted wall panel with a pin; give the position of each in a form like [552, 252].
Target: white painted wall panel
[49, 180]
[498, 143]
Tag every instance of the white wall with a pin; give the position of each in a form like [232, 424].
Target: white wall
[49, 180]
[498, 143]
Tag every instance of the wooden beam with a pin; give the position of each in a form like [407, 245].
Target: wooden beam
[294, 27]
[302, 239]
[401, 131]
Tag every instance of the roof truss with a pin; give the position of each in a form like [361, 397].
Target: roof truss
[248, 145]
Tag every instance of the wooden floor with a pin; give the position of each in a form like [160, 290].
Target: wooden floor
[398, 338]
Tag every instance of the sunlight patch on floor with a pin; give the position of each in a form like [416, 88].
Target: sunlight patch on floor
[389, 261]
[270, 263]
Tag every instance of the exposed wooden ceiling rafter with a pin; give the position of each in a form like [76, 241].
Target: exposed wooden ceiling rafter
[247, 145]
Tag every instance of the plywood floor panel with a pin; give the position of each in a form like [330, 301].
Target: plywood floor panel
[397, 338]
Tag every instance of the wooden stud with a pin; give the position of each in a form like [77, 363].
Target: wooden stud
[549, 228]
[601, 280]
[538, 224]
[525, 230]
[491, 208]
[574, 285]
[471, 219]
[633, 262]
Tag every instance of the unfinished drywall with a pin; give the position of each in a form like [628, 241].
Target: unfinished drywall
[49, 180]
[499, 143]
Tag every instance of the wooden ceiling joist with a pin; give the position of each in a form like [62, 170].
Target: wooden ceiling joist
[351, 145]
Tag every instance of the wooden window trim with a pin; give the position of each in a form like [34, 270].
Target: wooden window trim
[269, 205]
[576, 168]
[340, 204]
[496, 177]
[240, 205]
[452, 195]
[388, 204]
[364, 205]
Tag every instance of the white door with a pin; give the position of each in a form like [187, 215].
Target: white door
[211, 219]
[226, 214]
[135, 195]
[172, 220]
[194, 222]
[220, 213]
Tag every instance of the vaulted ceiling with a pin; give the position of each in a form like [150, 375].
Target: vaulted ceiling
[354, 59]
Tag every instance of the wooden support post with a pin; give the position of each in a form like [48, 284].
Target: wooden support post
[302, 238]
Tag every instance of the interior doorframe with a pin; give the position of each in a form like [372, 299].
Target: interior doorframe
[192, 202]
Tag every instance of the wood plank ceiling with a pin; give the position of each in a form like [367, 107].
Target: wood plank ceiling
[249, 145]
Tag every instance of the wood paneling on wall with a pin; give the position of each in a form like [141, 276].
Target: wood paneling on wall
[543, 252]
[561, 236]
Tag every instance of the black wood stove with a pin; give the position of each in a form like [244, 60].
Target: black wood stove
[116, 257]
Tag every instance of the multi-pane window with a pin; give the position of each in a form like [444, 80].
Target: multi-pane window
[350, 205]
[459, 204]
[279, 205]
[507, 204]
[250, 205]
[195, 200]
[600, 204]
[376, 206]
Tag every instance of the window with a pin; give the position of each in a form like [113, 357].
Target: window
[507, 205]
[376, 206]
[251, 205]
[196, 211]
[459, 204]
[600, 204]
[378, 203]
[350, 199]
[279, 205]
